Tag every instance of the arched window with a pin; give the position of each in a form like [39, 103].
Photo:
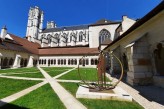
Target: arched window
[5, 61]
[96, 61]
[22, 62]
[54, 61]
[92, 62]
[80, 36]
[11, 62]
[49, 62]
[72, 62]
[45, 61]
[61, 61]
[69, 61]
[25, 62]
[58, 61]
[86, 61]
[103, 35]
[40, 61]
[64, 61]
[75, 62]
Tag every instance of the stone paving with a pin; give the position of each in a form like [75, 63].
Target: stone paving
[147, 104]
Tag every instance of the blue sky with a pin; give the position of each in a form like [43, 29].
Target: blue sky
[14, 13]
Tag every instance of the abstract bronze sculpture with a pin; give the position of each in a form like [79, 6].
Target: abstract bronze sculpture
[101, 84]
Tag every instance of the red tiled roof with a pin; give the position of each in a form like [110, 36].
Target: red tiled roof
[11, 45]
[68, 51]
[30, 46]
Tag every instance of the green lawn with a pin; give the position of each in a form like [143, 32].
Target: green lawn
[25, 72]
[100, 104]
[11, 86]
[41, 98]
[54, 71]
[19, 70]
[31, 75]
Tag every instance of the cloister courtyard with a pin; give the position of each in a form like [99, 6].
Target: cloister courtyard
[50, 88]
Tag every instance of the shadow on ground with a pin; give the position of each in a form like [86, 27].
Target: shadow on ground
[10, 106]
[152, 93]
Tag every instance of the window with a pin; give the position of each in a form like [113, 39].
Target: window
[80, 36]
[64, 61]
[54, 61]
[92, 62]
[103, 35]
[86, 61]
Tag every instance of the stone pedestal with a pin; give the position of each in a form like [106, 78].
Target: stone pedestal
[114, 94]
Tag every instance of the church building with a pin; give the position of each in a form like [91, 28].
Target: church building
[57, 46]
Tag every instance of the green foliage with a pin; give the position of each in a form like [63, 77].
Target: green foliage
[41, 98]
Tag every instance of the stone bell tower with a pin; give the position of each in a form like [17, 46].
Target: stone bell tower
[35, 23]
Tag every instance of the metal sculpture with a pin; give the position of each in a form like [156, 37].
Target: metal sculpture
[101, 83]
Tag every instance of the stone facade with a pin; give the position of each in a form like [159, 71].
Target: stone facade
[144, 49]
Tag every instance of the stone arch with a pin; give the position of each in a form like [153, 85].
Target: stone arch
[52, 62]
[58, 61]
[22, 62]
[49, 62]
[64, 61]
[86, 61]
[159, 58]
[40, 61]
[69, 61]
[11, 61]
[103, 35]
[92, 61]
[25, 62]
[5, 62]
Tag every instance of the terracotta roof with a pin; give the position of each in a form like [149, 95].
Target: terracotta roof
[68, 51]
[104, 22]
[11, 45]
[29, 46]
[140, 22]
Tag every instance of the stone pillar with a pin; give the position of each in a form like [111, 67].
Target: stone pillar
[77, 61]
[30, 62]
[139, 63]
[67, 62]
[17, 61]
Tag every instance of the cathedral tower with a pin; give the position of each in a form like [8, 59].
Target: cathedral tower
[35, 23]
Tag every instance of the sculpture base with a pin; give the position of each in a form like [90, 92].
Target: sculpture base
[113, 94]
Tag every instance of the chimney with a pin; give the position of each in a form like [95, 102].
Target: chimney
[124, 17]
[3, 32]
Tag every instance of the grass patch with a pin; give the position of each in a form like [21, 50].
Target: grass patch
[25, 72]
[54, 71]
[31, 75]
[86, 74]
[41, 98]
[19, 70]
[101, 104]
[11, 86]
